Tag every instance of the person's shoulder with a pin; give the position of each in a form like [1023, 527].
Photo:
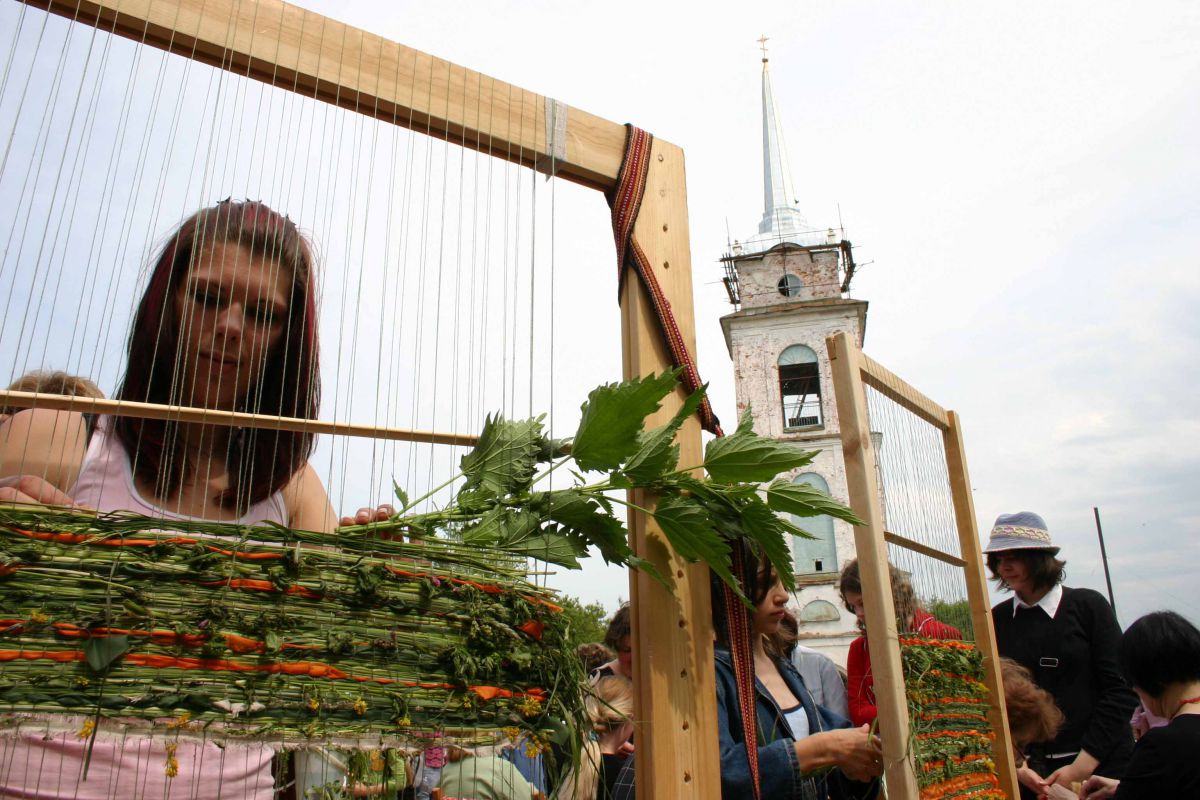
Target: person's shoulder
[307, 503]
[1083, 597]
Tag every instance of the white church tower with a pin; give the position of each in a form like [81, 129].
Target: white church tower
[790, 284]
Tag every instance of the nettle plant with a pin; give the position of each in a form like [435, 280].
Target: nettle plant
[500, 506]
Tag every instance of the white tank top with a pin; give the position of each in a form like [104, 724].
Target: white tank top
[106, 483]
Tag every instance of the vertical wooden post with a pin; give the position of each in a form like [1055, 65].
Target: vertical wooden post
[674, 685]
[882, 639]
[977, 595]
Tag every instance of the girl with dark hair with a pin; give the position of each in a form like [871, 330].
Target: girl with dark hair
[794, 741]
[228, 322]
[1067, 638]
[1160, 657]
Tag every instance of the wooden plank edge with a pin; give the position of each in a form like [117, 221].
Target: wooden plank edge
[230, 419]
[898, 390]
[601, 140]
[923, 549]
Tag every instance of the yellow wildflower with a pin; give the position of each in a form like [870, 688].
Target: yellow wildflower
[377, 762]
[360, 706]
[511, 733]
[38, 616]
[529, 705]
[180, 721]
[172, 762]
[314, 704]
[89, 727]
[404, 721]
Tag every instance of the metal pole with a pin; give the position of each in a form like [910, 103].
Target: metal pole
[1104, 558]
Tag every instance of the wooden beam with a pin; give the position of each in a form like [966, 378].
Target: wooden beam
[901, 392]
[883, 641]
[923, 549]
[674, 684]
[977, 595]
[229, 419]
[301, 51]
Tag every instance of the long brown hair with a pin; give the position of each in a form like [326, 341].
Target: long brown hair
[260, 462]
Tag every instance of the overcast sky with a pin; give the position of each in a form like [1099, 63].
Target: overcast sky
[1019, 181]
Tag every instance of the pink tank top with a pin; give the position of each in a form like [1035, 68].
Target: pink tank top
[49, 765]
[105, 483]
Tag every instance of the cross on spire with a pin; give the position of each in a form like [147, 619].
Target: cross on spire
[762, 42]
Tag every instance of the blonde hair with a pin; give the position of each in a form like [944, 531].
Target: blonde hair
[46, 381]
[609, 705]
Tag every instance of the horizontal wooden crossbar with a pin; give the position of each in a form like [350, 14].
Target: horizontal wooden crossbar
[896, 389]
[923, 549]
[231, 419]
[318, 57]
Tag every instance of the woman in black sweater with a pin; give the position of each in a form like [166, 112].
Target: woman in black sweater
[1068, 639]
[1160, 656]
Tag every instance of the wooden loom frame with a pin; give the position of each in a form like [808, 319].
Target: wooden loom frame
[852, 370]
[304, 52]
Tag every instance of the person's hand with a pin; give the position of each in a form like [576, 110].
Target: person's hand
[1031, 780]
[32, 489]
[1099, 787]
[1075, 772]
[857, 753]
[366, 515]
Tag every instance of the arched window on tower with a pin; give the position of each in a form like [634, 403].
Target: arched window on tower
[815, 556]
[800, 387]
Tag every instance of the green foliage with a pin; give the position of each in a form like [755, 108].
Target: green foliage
[587, 623]
[956, 613]
[613, 416]
[498, 508]
[748, 457]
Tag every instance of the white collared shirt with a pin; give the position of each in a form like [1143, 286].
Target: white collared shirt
[1048, 603]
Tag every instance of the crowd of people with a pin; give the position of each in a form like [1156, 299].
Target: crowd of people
[228, 321]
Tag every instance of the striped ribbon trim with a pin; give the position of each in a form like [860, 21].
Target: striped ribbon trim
[740, 652]
[626, 201]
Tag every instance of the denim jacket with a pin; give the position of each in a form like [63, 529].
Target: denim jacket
[779, 769]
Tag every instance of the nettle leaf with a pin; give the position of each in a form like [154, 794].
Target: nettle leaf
[747, 457]
[504, 458]
[612, 418]
[401, 497]
[596, 525]
[102, 651]
[763, 526]
[806, 501]
[657, 452]
[689, 528]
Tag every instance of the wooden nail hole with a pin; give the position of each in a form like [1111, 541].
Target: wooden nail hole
[686, 725]
[664, 227]
[687, 777]
[660, 156]
[683, 673]
[682, 623]
[666, 265]
[678, 573]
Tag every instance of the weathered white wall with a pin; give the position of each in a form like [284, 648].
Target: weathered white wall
[767, 324]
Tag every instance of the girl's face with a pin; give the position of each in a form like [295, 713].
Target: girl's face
[768, 614]
[625, 655]
[232, 311]
[854, 602]
[1012, 569]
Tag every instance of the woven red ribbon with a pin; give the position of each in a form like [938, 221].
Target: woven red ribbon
[625, 201]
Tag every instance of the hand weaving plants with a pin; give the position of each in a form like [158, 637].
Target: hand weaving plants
[399, 633]
[947, 703]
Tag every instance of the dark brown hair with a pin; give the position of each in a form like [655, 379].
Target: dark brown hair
[1044, 569]
[619, 627]
[903, 597]
[260, 462]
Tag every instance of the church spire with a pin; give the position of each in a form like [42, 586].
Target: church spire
[781, 220]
